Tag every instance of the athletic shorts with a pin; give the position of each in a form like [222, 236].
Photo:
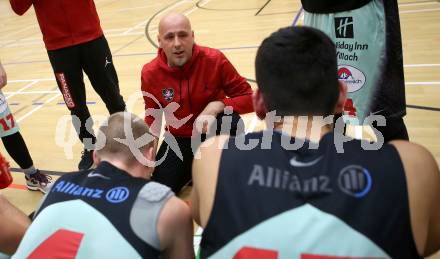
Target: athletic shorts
[359, 36]
[8, 125]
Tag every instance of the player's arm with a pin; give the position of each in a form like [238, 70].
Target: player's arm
[236, 88]
[204, 174]
[212, 109]
[153, 113]
[175, 230]
[20, 6]
[13, 225]
[433, 240]
[3, 76]
[423, 183]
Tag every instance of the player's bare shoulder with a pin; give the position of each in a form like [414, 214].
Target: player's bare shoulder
[416, 159]
[423, 181]
[421, 169]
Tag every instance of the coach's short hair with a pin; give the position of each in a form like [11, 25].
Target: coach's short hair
[296, 71]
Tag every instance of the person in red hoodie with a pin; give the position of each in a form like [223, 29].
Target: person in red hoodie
[189, 83]
[75, 43]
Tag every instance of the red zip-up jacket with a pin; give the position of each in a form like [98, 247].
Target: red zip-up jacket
[64, 23]
[208, 76]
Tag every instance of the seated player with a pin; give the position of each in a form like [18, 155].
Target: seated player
[113, 211]
[311, 201]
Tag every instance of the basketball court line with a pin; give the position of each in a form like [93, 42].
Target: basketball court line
[17, 186]
[420, 11]
[425, 83]
[129, 43]
[30, 80]
[435, 109]
[49, 172]
[143, 23]
[38, 107]
[422, 65]
[298, 14]
[107, 3]
[419, 3]
[106, 31]
[131, 8]
[21, 89]
[227, 10]
[16, 32]
[266, 14]
[32, 92]
[147, 25]
[261, 9]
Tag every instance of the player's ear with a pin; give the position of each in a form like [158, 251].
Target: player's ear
[339, 108]
[150, 155]
[159, 41]
[259, 104]
[96, 158]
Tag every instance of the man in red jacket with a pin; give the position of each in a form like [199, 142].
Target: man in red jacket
[75, 44]
[189, 83]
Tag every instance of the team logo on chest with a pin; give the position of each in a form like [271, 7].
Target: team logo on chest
[168, 94]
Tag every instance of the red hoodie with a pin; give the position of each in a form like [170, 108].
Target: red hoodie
[63, 23]
[208, 76]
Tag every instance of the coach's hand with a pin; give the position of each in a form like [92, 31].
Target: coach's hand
[3, 77]
[212, 109]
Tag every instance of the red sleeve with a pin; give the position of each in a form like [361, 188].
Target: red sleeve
[236, 88]
[20, 6]
[153, 113]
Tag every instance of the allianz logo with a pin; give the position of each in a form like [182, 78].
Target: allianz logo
[285, 180]
[114, 195]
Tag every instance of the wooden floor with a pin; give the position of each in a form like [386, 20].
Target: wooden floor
[235, 27]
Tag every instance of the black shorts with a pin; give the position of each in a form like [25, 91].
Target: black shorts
[175, 172]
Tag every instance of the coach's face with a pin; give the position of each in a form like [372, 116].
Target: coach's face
[176, 39]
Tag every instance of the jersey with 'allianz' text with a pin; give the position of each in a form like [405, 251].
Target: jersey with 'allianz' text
[280, 200]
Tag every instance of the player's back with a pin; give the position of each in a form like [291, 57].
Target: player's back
[100, 213]
[309, 203]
